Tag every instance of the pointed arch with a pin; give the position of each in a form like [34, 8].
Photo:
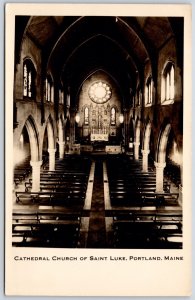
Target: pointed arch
[131, 130]
[29, 78]
[33, 138]
[107, 73]
[168, 83]
[146, 137]
[49, 88]
[137, 131]
[137, 139]
[50, 133]
[60, 130]
[149, 91]
[162, 144]
[67, 129]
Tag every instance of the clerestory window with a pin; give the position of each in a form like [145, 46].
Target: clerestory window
[149, 92]
[28, 79]
[168, 84]
[49, 90]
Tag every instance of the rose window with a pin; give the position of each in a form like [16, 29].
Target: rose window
[100, 92]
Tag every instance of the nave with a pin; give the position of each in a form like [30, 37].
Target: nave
[96, 201]
[98, 132]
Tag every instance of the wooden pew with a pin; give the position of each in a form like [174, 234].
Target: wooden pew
[56, 181]
[22, 171]
[148, 229]
[45, 228]
[157, 218]
[51, 198]
[147, 186]
[137, 198]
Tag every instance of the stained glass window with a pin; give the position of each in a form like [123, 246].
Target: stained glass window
[113, 116]
[100, 92]
[168, 83]
[61, 96]
[25, 84]
[30, 84]
[86, 116]
[148, 91]
[49, 90]
[28, 79]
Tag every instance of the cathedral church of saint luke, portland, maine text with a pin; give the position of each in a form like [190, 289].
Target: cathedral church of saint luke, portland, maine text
[99, 258]
[135, 258]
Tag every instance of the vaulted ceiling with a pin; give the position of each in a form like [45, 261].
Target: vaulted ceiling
[74, 47]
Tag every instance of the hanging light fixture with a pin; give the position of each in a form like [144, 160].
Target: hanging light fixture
[77, 118]
[121, 118]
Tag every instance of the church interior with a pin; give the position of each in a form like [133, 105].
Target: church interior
[98, 132]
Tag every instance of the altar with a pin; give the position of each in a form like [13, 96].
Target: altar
[99, 137]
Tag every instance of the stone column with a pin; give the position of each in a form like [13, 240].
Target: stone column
[125, 128]
[145, 160]
[61, 149]
[52, 159]
[181, 174]
[72, 126]
[36, 165]
[136, 150]
[159, 176]
[180, 199]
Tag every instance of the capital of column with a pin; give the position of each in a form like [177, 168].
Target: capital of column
[61, 143]
[51, 151]
[36, 164]
[159, 165]
[145, 152]
[136, 143]
[181, 189]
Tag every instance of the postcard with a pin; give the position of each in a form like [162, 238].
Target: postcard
[98, 149]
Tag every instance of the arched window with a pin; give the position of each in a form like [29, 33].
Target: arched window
[60, 93]
[168, 84]
[148, 91]
[28, 79]
[49, 89]
[139, 97]
[61, 96]
[113, 116]
[21, 144]
[86, 116]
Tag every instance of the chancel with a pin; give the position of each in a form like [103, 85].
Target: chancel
[98, 132]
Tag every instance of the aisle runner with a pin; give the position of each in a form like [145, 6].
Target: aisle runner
[97, 229]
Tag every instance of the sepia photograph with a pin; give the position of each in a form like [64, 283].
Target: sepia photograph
[96, 140]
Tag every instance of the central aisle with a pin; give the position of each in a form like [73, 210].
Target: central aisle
[97, 228]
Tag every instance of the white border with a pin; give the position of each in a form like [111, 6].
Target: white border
[109, 275]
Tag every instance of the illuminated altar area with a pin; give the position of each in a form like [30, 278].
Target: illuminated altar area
[99, 137]
[100, 113]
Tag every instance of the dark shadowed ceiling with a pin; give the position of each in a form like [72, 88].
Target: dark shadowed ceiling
[74, 47]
